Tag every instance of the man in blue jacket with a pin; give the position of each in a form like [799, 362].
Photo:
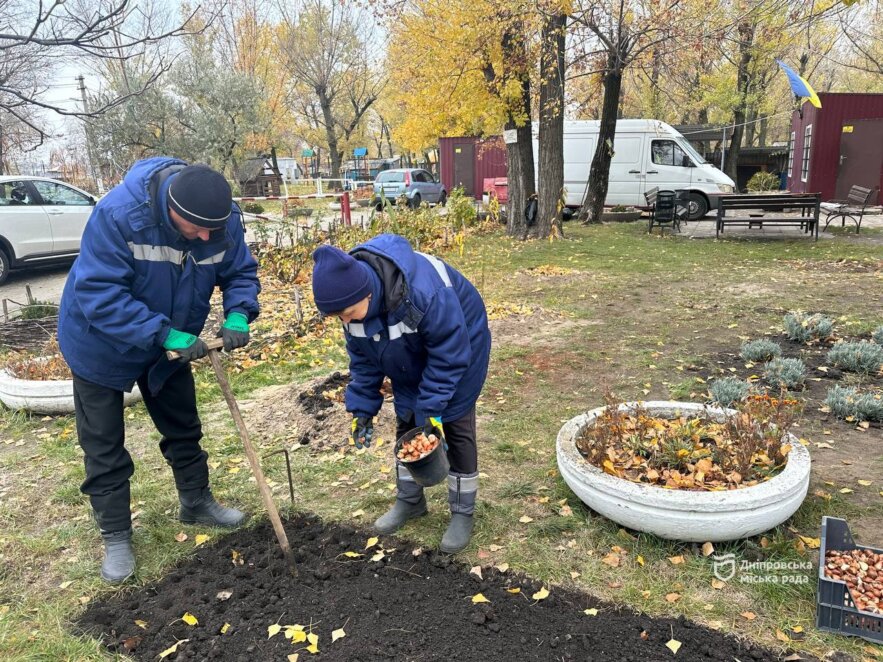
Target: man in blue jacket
[152, 253]
[414, 319]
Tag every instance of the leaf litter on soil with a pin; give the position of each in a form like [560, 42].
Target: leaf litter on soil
[403, 606]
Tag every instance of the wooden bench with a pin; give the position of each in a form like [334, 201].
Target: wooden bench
[757, 210]
[857, 201]
[663, 209]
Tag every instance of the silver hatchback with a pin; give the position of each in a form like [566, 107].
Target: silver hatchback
[415, 184]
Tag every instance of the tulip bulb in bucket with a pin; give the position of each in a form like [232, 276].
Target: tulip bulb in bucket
[424, 457]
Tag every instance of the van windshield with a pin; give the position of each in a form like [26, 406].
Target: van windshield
[688, 148]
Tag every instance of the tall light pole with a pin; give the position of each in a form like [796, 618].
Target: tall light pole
[82, 84]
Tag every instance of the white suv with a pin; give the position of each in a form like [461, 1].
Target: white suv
[41, 221]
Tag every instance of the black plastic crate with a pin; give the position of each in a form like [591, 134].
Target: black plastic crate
[836, 610]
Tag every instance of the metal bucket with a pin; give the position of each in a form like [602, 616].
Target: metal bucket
[430, 469]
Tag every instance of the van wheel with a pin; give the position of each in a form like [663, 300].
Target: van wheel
[697, 206]
[4, 266]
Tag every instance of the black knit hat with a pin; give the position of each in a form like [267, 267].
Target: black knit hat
[201, 196]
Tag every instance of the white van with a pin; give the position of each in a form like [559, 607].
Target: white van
[646, 154]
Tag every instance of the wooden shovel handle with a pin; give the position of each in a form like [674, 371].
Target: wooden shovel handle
[214, 343]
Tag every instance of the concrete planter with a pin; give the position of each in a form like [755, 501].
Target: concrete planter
[621, 216]
[55, 397]
[681, 514]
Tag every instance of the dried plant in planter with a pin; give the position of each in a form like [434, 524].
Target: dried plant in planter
[47, 366]
[744, 449]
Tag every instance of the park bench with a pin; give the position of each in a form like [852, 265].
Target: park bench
[663, 210]
[857, 201]
[799, 209]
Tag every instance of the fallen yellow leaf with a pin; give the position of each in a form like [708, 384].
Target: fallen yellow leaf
[674, 646]
[865, 483]
[612, 560]
[672, 597]
[524, 519]
[640, 560]
[590, 612]
[337, 634]
[513, 590]
[476, 570]
[371, 542]
[293, 657]
[353, 555]
[542, 594]
[172, 649]
[717, 584]
[224, 628]
[189, 618]
[812, 543]
[748, 615]
[201, 539]
[707, 549]
[781, 636]
[314, 643]
[676, 560]
[846, 490]
[502, 567]
[478, 597]
[378, 556]
[273, 630]
[141, 624]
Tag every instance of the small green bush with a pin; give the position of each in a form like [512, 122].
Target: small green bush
[803, 328]
[252, 208]
[849, 402]
[728, 390]
[785, 373]
[863, 357]
[760, 350]
[461, 209]
[39, 310]
[877, 336]
[763, 181]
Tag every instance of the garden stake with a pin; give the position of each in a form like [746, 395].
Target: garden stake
[214, 345]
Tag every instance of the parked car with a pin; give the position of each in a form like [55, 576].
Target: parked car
[41, 221]
[647, 154]
[415, 184]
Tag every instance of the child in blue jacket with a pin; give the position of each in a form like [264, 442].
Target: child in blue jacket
[411, 317]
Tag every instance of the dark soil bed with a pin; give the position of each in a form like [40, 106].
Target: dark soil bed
[410, 605]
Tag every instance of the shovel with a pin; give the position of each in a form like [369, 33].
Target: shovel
[214, 346]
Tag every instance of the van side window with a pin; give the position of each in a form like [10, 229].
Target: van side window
[668, 152]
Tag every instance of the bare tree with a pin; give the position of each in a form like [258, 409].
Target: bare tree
[329, 53]
[36, 36]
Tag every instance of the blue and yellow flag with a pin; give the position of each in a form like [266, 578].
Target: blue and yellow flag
[800, 86]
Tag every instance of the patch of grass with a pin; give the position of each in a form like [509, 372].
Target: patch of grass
[517, 490]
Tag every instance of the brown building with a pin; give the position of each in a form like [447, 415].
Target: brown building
[837, 146]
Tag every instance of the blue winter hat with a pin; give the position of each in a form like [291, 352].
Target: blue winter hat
[339, 280]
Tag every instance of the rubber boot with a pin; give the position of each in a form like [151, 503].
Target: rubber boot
[199, 507]
[119, 560]
[462, 491]
[410, 503]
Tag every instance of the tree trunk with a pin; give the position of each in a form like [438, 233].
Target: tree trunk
[743, 82]
[762, 134]
[330, 132]
[519, 155]
[551, 135]
[599, 172]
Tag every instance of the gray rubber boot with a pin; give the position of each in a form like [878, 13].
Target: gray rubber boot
[462, 491]
[410, 503]
[119, 560]
[199, 507]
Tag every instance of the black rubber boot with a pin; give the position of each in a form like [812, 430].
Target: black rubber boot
[462, 492]
[410, 503]
[119, 559]
[199, 507]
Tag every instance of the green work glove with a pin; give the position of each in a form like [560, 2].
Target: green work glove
[234, 332]
[363, 431]
[188, 346]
